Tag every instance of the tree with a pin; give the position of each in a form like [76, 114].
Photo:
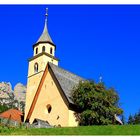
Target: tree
[130, 119]
[137, 118]
[97, 105]
[3, 108]
[22, 106]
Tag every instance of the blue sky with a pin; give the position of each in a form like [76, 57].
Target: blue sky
[91, 40]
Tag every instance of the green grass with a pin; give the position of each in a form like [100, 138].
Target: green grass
[82, 130]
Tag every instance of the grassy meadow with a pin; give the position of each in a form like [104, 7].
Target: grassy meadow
[81, 130]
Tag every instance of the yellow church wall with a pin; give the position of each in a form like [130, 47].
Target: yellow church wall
[42, 62]
[34, 78]
[32, 85]
[47, 48]
[72, 119]
[49, 94]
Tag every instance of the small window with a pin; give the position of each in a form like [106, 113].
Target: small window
[36, 51]
[50, 50]
[36, 67]
[49, 108]
[43, 49]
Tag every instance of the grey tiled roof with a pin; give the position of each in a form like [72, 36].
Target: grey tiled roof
[45, 37]
[66, 79]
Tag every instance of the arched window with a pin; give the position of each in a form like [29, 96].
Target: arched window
[36, 51]
[43, 49]
[50, 50]
[49, 108]
[36, 67]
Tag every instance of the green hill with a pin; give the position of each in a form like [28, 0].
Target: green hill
[82, 130]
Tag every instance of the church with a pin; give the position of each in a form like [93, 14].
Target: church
[49, 87]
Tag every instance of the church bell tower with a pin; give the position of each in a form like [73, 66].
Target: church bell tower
[43, 52]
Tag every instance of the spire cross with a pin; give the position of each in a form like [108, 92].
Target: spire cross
[46, 12]
[46, 15]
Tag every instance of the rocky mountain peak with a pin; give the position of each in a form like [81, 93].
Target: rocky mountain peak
[20, 92]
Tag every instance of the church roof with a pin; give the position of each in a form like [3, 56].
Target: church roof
[66, 79]
[45, 37]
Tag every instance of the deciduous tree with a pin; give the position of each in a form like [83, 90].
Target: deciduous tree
[96, 104]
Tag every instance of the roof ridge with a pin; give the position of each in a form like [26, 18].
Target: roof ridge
[72, 73]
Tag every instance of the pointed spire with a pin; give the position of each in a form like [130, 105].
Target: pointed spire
[45, 37]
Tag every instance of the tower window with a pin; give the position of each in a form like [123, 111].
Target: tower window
[43, 49]
[36, 51]
[50, 50]
[36, 67]
[49, 108]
